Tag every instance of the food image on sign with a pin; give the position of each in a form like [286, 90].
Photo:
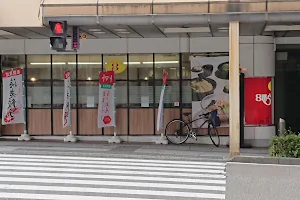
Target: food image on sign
[116, 66]
[210, 88]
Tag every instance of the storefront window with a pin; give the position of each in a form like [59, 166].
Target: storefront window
[141, 67]
[89, 67]
[62, 63]
[38, 94]
[38, 67]
[117, 63]
[186, 66]
[168, 63]
[58, 94]
[141, 80]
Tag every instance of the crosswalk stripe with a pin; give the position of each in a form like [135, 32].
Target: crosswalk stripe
[57, 178]
[114, 159]
[115, 183]
[63, 197]
[193, 175]
[112, 191]
[112, 167]
[133, 178]
[114, 163]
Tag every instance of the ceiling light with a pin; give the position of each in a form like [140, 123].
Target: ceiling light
[95, 29]
[32, 79]
[124, 32]
[223, 28]
[46, 63]
[282, 28]
[99, 32]
[187, 30]
[120, 29]
[85, 63]
[146, 78]
[89, 78]
[162, 62]
[172, 68]
[132, 63]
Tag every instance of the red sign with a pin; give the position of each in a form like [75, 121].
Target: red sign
[258, 101]
[107, 78]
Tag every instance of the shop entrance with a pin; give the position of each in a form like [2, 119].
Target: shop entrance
[287, 90]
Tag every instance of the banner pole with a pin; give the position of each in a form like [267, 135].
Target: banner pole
[25, 136]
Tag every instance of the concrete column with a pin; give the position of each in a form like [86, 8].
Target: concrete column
[234, 85]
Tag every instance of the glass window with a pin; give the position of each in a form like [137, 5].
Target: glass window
[58, 94]
[88, 92]
[12, 61]
[89, 67]
[186, 66]
[118, 63]
[62, 63]
[141, 94]
[186, 94]
[140, 66]
[121, 94]
[38, 94]
[168, 63]
[38, 67]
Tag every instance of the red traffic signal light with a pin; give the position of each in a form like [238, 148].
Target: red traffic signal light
[58, 28]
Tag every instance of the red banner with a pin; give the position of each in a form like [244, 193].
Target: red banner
[258, 105]
[107, 78]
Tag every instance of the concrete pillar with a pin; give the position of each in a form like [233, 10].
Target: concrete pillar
[234, 85]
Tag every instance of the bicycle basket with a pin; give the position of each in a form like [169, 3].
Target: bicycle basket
[215, 120]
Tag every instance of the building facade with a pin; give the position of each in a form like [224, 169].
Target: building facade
[118, 31]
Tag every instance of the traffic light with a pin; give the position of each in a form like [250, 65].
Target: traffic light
[58, 40]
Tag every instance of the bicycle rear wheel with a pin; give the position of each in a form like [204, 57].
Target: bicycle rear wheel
[177, 131]
[214, 135]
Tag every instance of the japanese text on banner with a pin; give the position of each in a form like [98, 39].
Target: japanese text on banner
[106, 106]
[67, 99]
[13, 99]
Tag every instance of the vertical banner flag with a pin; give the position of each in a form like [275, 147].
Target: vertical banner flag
[67, 99]
[258, 101]
[106, 106]
[13, 102]
[160, 114]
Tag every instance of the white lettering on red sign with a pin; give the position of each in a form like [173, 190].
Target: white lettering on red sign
[265, 98]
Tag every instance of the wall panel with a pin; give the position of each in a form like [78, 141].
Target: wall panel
[58, 124]
[39, 121]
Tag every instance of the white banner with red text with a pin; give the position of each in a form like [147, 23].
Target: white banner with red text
[13, 97]
[106, 106]
[160, 113]
[67, 99]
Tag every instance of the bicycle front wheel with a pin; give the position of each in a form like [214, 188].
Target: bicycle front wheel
[214, 135]
[177, 131]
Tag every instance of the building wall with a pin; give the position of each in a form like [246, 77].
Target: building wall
[257, 56]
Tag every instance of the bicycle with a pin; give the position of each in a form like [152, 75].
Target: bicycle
[183, 130]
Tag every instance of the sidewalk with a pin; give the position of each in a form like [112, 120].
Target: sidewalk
[134, 150]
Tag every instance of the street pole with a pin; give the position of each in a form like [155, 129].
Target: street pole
[234, 89]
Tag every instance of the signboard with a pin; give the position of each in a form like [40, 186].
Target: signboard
[106, 106]
[67, 99]
[258, 101]
[160, 113]
[210, 88]
[115, 65]
[13, 101]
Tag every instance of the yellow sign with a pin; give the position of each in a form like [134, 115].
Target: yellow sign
[83, 36]
[115, 65]
[270, 86]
